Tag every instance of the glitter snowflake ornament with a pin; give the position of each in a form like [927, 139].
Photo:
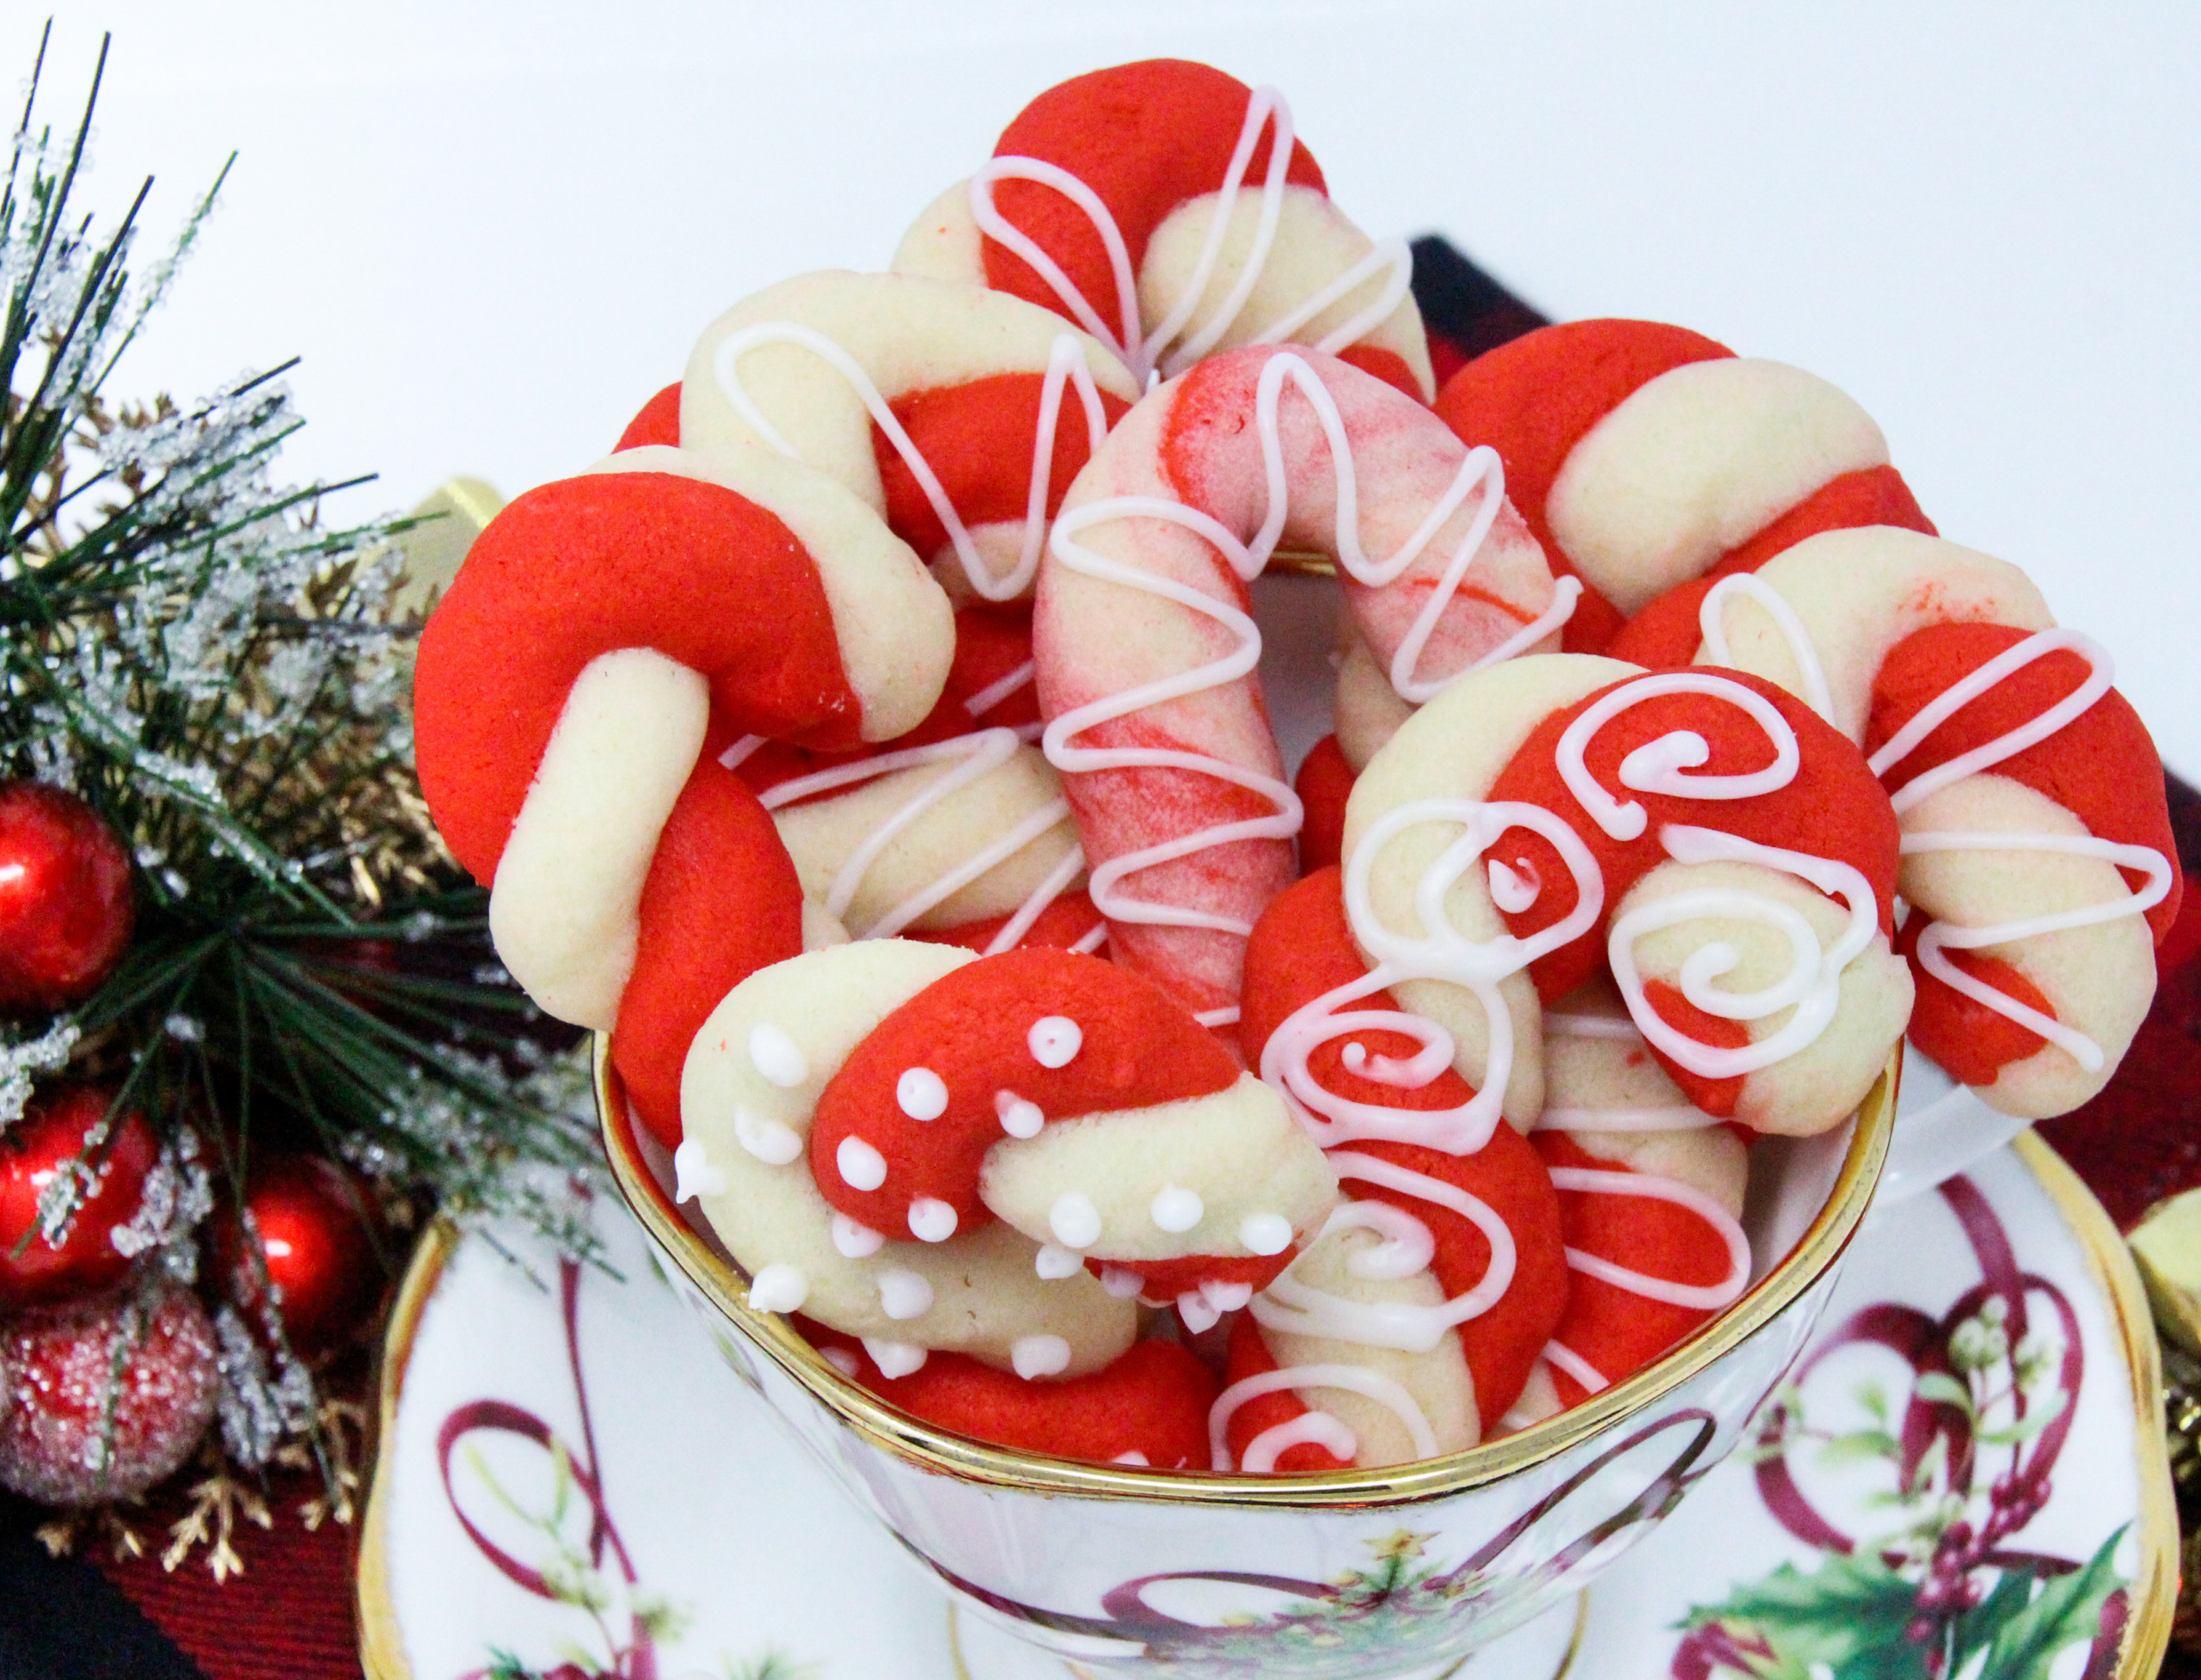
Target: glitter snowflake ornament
[105, 1399]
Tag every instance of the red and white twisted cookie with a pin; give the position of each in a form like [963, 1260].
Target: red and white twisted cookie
[1075, 1102]
[763, 1060]
[2037, 857]
[1411, 1325]
[1643, 457]
[960, 414]
[1650, 1190]
[1157, 725]
[1167, 210]
[577, 684]
[1727, 853]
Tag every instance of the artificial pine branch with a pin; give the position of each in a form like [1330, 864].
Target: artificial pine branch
[187, 645]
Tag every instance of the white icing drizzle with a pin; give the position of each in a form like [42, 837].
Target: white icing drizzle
[1135, 1458]
[979, 754]
[778, 1288]
[903, 1294]
[773, 1142]
[1065, 365]
[1054, 1262]
[1480, 466]
[1074, 1220]
[1176, 1210]
[1039, 1356]
[1560, 1354]
[1941, 936]
[854, 1240]
[1143, 351]
[1591, 1026]
[1385, 1391]
[894, 1358]
[1513, 890]
[1441, 953]
[1662, 766]
[1315, 1428]
[1711, 618]
[1019, 1119]
[1811, 986]
[692, 1174]
[1198, 1312]
[776, 1055]
[2101, 675]
[862, 1167]
[931, 1220]
[1706, 1297]
[1055, 1041]
[994, 693]
[843, 1361]
[1295, 1307]
[921, 1094]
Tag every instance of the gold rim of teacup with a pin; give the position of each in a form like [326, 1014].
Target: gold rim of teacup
[726, 1286]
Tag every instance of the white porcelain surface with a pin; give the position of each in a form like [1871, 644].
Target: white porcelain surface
[741, 1548]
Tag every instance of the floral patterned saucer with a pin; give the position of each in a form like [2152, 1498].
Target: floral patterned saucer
[1964, 1481]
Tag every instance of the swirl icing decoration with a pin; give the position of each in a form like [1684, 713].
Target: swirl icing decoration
[2037, 865]
[1161, 734]
[1122, 200]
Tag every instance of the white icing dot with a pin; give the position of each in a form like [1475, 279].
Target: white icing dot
[903, 1293]
[1121, 1284]
[772, 1141]
[854, 1239]
[1019, 1119]
[1176, 1209]
[774, 1054]
[1265, 1233]
[778, 1289]
[1133, 1457]
[1198, 1313]
[921, 1094]
[1074, 1220]
[1054, 1262]
[894, 1358]
[1055, 1041]
[862, 1167]
[931, 1220]
[1039, 1356]
[693, 1173]
[843, 1361]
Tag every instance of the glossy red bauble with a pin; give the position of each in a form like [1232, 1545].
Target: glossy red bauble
[33, 1152]
[103, 1398]
[66, 905]
[315, 1229]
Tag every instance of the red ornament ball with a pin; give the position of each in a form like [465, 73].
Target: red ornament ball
[36, 1150]
[151, 1359]
[316, 1232]
[66, 906]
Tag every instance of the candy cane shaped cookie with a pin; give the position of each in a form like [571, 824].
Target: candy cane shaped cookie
[2036, 845]
[1444, 1275]
[1072, 1100]
[1644, 456]
[601, 645]
[1725, 851]
[1651, 1195]
[1158, 724]
[1167, 210]
[960, 414]
[956, 830]
[749, 1096]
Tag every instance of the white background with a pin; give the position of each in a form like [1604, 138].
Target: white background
[493, 231]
